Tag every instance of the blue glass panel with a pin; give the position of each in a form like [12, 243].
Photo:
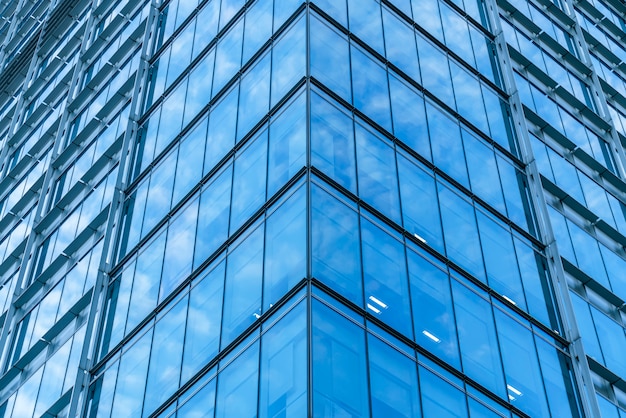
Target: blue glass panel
[613, 347]
[221, 134]
[370, 88]
[447, 144]
[284, 375]
[365, 22]
[409, 117]
[283, 9]
[500, 259]
[400, 45]
[285, 248]
[434, 67]
[131, 379]
[393, 382]
[287, 148]
[101, 393]
[228, 55]
[477, 338]
[336, 9]
[535, 281]
[339, 365]
[468, 97]
[199, 91]
[332, 142]
[288, 59]
[523, 378]
[146, 283]
[228, 10]
[159, 193]
[586, 328]
[328, 46]
[378, 178]
[249, 181]
[201, 405]
[178, 258]
[455, 30]
[119, 293]
[190, 160]
[237, 386]
[254, 96]
[440, 399]
[171, 120]
[258, 27]
[478, 410]
[426, 14]
[483, 171]
[384, 272]
[242, 296]
[420, 208]
[459, 227]
[206, 31]
[588, 254]
[557, 377]
[203, 323]
[433, 314]
[514, 188]
[166, 357]
[335, 245]
[213, 216]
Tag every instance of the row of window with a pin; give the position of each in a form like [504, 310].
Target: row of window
[52, 379]
[74, 224]
[588, 254]
[256, 278]
[227, 55]
[564, 123]
[600, 34]
[92, 154]
[345, 149]
[579, 186]
[594, 326]
[252, 274]
[550, 66]
[350, 367]
[254, 173]
[547, 24]
[63, 295]
[238, 110]
[361, 80]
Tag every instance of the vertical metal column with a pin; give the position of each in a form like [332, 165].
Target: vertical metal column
[558, 283]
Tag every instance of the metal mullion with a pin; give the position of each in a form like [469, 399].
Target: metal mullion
[558, 285]
[79, 403]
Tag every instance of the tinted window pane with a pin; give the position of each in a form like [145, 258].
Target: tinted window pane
[384, 271]
[335, 245]
[237, 386]
[393, 382]
[284, 367]
[332, 142]
[339, 366]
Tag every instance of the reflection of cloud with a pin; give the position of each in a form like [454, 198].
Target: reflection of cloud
[288, 61]
[228, 56]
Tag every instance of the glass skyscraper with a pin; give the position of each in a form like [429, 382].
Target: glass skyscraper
[336, 208]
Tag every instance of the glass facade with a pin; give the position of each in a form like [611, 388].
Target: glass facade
[329, 208]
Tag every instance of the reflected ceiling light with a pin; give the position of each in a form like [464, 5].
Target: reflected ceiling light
[378, 302]
[256, 315]
[431, 336]
[508, 299]
[420, 238]
[373, 308]
[514, 390]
